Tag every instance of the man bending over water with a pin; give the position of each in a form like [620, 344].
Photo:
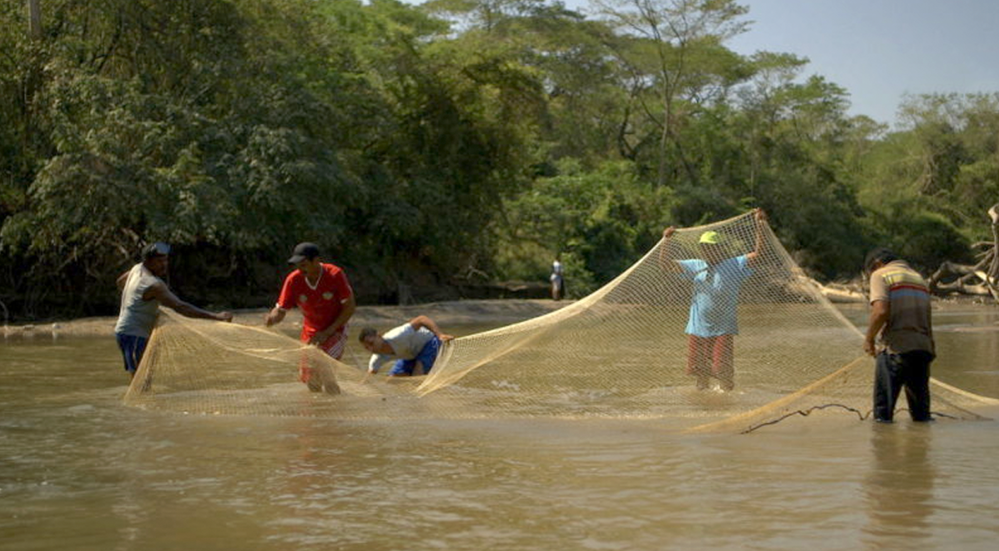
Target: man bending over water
[412, 345]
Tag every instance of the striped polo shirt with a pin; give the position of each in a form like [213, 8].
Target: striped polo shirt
[909, 324]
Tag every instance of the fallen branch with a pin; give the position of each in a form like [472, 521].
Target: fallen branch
[980, 279]
[971, 280]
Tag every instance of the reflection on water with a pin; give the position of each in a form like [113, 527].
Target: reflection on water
[899, 487]
[80, 471]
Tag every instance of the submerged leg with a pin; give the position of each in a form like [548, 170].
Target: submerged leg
[698, 354]
[722, 361]
[916, 372]
[328, 379]
[887, 384]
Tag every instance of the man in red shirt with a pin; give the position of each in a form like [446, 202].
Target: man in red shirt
[323, 294]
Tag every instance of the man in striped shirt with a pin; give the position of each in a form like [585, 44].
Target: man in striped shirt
[900, 313]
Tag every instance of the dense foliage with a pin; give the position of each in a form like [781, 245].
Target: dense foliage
[453, 142]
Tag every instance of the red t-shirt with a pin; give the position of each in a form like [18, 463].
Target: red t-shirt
[320, 305]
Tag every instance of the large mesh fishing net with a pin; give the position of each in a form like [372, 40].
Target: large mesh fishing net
[620, 353]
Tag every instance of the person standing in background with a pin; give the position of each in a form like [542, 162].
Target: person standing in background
[557, 280]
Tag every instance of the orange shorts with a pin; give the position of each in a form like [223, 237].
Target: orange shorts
[334, 346]
[710, 356]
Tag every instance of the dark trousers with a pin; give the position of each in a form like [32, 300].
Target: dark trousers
[893, 371]
[132, 349]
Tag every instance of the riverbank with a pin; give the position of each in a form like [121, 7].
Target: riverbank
[457, 312]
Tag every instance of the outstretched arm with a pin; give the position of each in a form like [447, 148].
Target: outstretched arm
[275, 316]
[283, 304]
[761, 219]
[666, 261]
[424, 321]
[160, 292]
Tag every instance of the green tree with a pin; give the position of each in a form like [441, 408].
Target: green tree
[676, 60]
[599, 221]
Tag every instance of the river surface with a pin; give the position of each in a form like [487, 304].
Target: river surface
[80, 471]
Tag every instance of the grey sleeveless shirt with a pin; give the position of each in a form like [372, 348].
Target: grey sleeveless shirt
[137, 317]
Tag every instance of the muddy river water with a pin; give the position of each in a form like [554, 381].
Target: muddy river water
[80, 471]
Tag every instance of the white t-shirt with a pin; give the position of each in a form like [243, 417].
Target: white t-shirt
[405, 341]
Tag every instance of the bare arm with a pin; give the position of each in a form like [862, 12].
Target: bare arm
[166, 297]
[121, 281]
[349, 306]
[666, 261]
[424, 321]
[761, 218]
[880, 311]
[275, 316]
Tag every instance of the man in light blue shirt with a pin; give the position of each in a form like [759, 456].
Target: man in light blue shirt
[713, 322]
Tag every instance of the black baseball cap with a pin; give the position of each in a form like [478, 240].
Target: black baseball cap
[304, 251]
[883, 255]
[153, 250]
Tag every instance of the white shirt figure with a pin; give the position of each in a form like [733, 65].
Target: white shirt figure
[405, 341]
[556, 279]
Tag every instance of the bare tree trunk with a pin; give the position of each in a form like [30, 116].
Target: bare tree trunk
[32, 75]
[663, 142]
[994, 266]
[35, 19]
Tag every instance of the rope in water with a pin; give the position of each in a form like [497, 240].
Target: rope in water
[807, 412]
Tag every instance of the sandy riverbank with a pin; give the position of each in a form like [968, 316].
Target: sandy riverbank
[461, 312]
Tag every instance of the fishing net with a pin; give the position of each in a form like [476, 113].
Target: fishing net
[621, 352]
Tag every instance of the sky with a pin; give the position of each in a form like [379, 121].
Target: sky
[880, 50]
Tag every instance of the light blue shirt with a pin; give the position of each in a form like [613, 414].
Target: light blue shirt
[716, 295]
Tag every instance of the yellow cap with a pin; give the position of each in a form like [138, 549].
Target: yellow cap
[710, 237]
